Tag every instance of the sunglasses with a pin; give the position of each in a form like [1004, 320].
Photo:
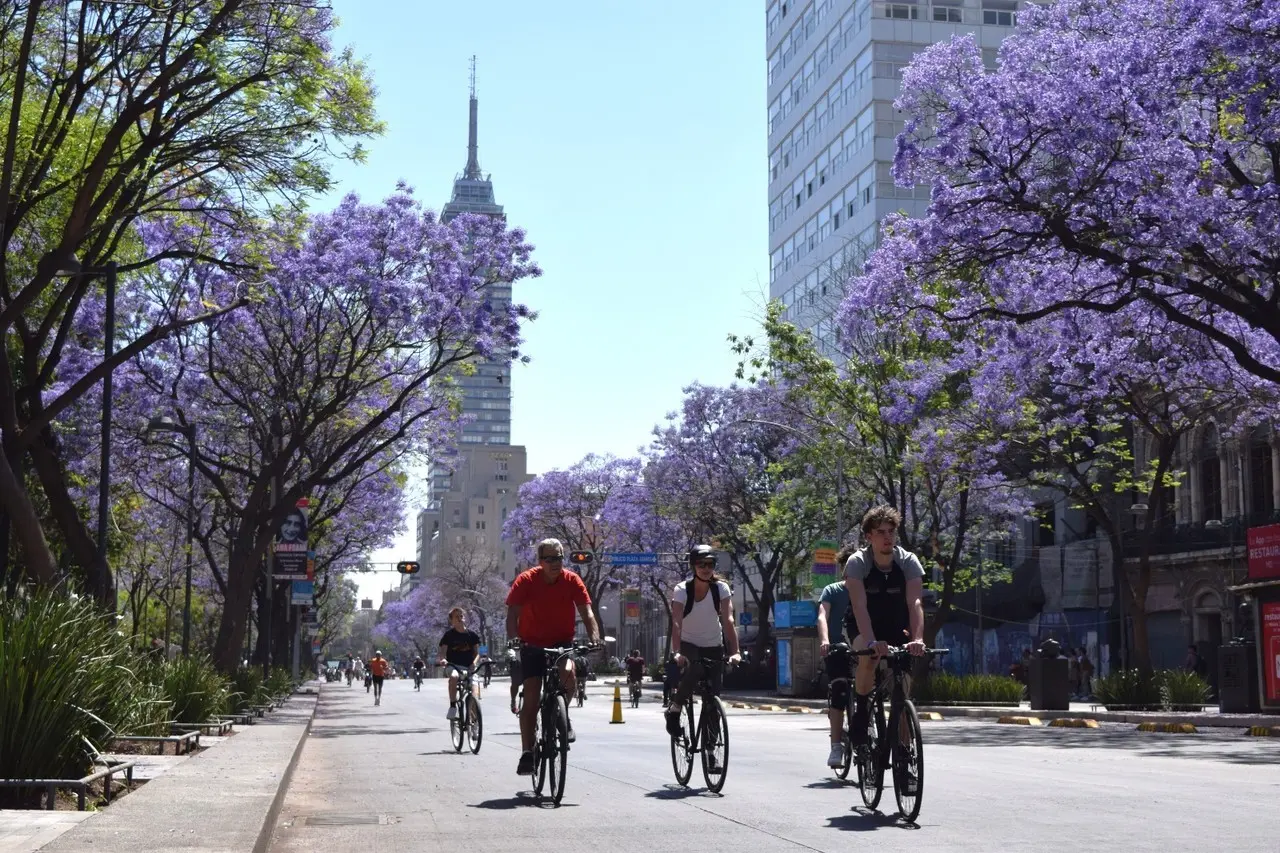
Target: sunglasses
[555, 558]
[706, 564]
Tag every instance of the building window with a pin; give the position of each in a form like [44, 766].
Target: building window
[479, 509]
[1001, 13]
[947, 14]
[1261, 481]
[902, 11]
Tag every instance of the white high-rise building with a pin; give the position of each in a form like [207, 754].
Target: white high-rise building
[835, 68]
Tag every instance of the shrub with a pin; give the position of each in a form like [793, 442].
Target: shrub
[197, 690]
[945, 688]
[1182, 691]
[68, 682]
[279, 683]
[1128, 689]
[246, 689]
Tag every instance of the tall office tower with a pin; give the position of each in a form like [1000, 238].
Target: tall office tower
[470, 495]
[835, 68]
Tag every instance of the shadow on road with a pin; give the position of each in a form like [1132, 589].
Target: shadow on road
[523, 799]
[344, 731]
[679, 792]
[829, 784]
[1122, 736]
[866, 820]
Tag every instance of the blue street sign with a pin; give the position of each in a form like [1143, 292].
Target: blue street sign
[630, 559]
[484, 650]
[745, 619]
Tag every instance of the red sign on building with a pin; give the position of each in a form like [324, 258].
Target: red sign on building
[1264, 552]
[1269, 613]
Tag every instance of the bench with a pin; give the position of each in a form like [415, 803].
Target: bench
[237, 719]
[213, 727]
[259, 710]
[182, 743]
[80, 786]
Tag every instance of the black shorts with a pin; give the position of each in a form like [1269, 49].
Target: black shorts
[377, 680]
[533, 661]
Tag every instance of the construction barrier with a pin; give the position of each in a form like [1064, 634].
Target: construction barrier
[1264, 731]
[929, 715]
[1020, 721]
[1073, 723]
[617, 705]
[1168, 728]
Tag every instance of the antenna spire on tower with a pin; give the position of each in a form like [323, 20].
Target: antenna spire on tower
[473, 159]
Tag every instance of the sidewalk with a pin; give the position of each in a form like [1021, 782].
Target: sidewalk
[224, 799]
[1088, 710]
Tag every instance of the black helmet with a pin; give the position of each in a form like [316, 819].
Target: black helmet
[701, 552]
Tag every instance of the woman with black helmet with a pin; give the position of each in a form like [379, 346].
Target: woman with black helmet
[701, 627]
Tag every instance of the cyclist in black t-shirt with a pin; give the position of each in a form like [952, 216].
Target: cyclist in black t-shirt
[459, 647]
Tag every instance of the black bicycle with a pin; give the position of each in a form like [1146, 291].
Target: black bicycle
[417, 680]
[634, 685]
[551, 735]
[710, 736]
[903, 755]
[467, 723]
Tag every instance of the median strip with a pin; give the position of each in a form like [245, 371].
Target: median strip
[1073, 723]
[1020, 721]
[1168, 728]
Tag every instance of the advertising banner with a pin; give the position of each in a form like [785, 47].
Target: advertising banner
[824, 558]
[291, 555]
[303, 592]
[1264, 552]
[631, 606]
[1269, 623]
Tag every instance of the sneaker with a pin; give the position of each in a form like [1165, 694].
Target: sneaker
[673, 721]
[377, 700]
[452, 713]
[836, 756]
[525, 767]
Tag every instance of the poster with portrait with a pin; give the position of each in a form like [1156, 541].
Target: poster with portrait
[292, 554]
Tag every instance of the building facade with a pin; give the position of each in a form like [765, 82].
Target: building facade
[470, 494]
[835, 68]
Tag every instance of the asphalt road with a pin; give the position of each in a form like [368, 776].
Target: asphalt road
[387, 779]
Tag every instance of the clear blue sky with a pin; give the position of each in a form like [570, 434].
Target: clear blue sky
[628, 139]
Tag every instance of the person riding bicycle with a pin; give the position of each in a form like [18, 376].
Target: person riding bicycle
[635, 667]
[419, 670]
[702, 625]
[885, 584]
[833, 604]
[540, 613]
[460, 647]
[379, 668]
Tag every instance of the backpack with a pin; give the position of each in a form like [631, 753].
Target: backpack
[688, 596]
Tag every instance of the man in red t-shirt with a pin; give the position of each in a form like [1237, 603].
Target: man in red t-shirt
[540, 611]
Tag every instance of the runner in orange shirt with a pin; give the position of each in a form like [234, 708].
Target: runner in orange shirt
[378, 667]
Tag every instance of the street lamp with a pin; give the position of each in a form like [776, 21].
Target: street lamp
[164, 423]
[71, 268]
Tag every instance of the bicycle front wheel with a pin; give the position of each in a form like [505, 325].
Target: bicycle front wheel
[870, 769]
[456, 728]
[682, 746]
[539, 751]
[557, 727]
[475, 724]
[715, 744]
[908, 763]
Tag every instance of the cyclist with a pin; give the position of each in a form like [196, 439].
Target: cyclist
[517, 678]
[540, 612]
[419, 670]
[460, 647]
[379, 668]
[885, 584]
[635, 668]
[833, 604]
[349, 667]
[702, 624]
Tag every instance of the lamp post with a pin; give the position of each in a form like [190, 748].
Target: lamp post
[188, 431]
[70, 268]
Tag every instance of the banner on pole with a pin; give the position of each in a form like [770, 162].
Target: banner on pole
[631, 606]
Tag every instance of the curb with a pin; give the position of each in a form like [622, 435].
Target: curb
[1073, 723]
[1168, 728]
[1020, 721]
[268, 830]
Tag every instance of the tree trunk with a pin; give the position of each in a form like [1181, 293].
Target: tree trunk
[41, 566]
[243, 567]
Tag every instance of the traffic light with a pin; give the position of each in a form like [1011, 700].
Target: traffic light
[580, 558]
[407, 567]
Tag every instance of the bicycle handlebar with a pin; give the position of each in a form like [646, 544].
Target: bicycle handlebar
[893, 650]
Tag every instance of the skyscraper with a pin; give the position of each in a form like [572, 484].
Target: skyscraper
[834, 70]
[470, 495]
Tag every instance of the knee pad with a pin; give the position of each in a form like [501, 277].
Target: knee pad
[838, 693]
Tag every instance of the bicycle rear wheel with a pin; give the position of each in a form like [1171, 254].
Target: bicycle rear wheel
[475, 724]
[682, 746]
[456, 728]
[908, 763]
[558, 748]
[715, 744]
[870, 770]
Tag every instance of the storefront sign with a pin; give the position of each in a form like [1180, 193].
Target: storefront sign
[1269, 619]
[1264, 552]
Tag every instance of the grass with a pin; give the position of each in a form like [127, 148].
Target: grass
[945, 688]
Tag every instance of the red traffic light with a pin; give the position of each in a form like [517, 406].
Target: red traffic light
[580, 558]
[407, 567]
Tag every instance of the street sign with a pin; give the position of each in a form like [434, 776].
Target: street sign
[303, 592]
[824, 557]
[630, 559]
[484, 650]
[745, 619]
